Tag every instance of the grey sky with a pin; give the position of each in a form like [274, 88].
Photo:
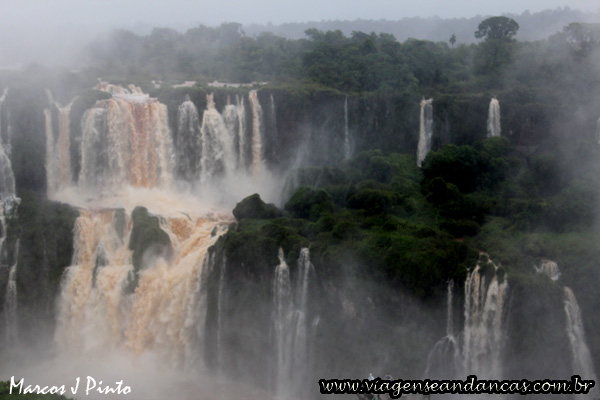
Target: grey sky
[110, 13]
[54, 31]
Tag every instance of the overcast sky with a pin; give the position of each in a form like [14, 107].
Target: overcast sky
[53, 31]
[122, 13]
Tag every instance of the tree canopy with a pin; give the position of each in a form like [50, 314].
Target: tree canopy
[497, 28]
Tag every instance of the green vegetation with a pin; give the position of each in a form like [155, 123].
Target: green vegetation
[254, 207]
[147, 234]
[370, 216]
[44, 232]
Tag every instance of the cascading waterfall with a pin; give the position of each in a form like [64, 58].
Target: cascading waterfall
[449, 305]
[10, 302]
[219, 138]
[257, 150]
[7, 177]
[282, 321]
[58, 157]
[2, 135]
[189, 143]
[126, 144]
[548, 268]
[220, 304]
[273, 115]
[232, 123]
[292, 333]
[425, 130]
[109, 310]
[580, 353]
[163, 315]
[346, 132]
[213, 131]
[598, 131]
[444, 360]
[493, 122]
[234, 116]
[484, 316]
[582, 358]
[241, 115]
[126, 141]
[302, 336]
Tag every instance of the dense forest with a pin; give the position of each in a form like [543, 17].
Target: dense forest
[385, 236]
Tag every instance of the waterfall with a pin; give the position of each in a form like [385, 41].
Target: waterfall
[3, 135]
[598, 131]
[220, 303]
[126, 141]
[189, 143]
[241, 113]
[228, 138]
[7, 177]
[292, 334]
[484, 316]
[165, 314]
[10, 302]
[449, 313]
[273, 115]
[214, 139]
[302, 336]
[235, 121]
[548, 268]
[213, 130]
[425, 130]
[582, 358]
[257, 123]
[580, 353]
[346, 133]
[445, 357]
[493, 122]
[220, 139]
[58, 156]
[230, 116]
[282, 320]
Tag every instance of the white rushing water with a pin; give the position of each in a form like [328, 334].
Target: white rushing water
[282, 323]
[257, 145]
[10, 303]
[291, 329]
[162, 320]
[477, 350]
[58, 157]
[220, 303]
[581, 356]
[484, 319]
[213, 131]
[580, 353]
[126, 141]
[189, 140]
[493, 122]
[425, 130]
[7, 178]
[548, 268]
[444, 360]
[112, 320]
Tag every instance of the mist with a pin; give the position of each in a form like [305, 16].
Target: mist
[205, 201]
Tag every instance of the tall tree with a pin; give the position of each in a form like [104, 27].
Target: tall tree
[497, 28]
[497, 47]
[452, 40]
